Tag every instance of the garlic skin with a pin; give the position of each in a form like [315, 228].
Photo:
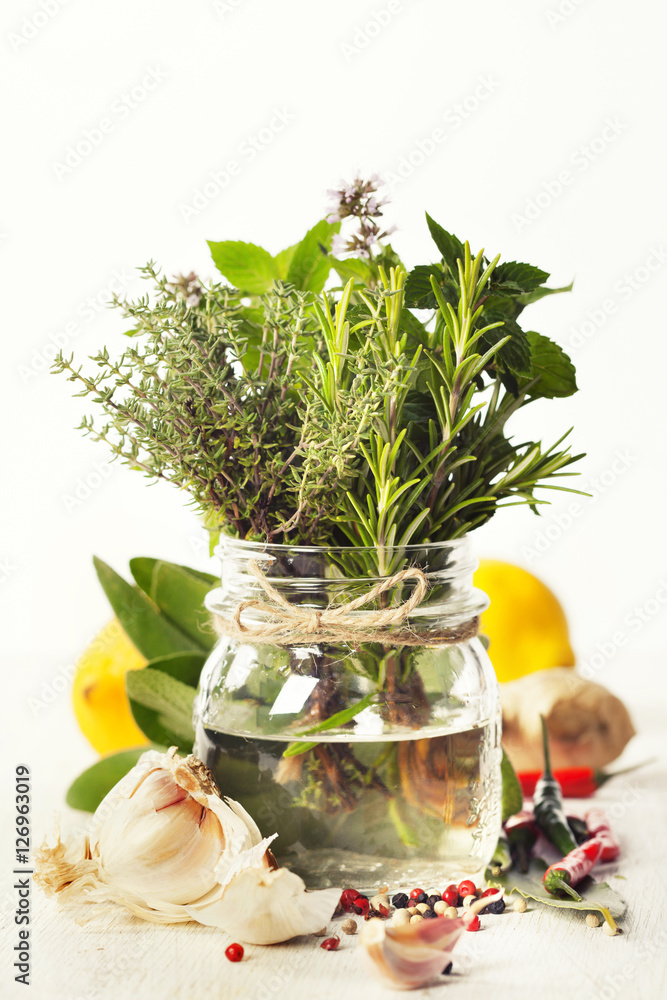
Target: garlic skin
[167, 847]
[263, 906]
[410, 955]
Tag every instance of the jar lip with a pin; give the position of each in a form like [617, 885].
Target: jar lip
[250, 546]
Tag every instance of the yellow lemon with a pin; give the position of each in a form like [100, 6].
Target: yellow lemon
[525, 621]
[100, 702]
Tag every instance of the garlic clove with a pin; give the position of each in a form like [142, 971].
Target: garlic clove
[408, 956]
[262, 906]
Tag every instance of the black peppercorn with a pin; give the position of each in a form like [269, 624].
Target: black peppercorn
[432, 900]
[400, 900]
[497, 907]
[429, 915]
[421, 898]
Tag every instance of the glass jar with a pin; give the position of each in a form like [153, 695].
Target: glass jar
[374, 761]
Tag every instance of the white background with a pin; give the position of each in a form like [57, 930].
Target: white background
[521, 93]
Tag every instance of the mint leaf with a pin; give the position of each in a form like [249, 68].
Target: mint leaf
[248, 267]
[518, 277]
[450, 246]
[284, 259]
[311, 263]
[150, 631]
[551, 366]
[418, 291]
[514, 356]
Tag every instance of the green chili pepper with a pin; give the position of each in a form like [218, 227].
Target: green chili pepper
[548, 805]
[521, 832]
[501, 861]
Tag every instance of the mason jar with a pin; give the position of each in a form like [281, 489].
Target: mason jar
[370, 743]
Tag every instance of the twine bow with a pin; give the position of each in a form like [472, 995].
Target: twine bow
[286, 624]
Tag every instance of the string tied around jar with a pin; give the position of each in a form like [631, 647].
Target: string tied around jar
[286, 624]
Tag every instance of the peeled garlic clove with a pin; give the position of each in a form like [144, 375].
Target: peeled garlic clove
[161, 838]
[260, 906]
[409, 956]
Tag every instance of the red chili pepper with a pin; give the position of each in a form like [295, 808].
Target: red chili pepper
[598, 827]
[575, 782]
[575, 866]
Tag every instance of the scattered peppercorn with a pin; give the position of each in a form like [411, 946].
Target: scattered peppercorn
[592, 920]
[330, 944]
[430, 915]
[474, 924]
[451, 912]
[432, 900]
[609, 929]
[451, 897]
[440, 907]
[447, 969]
[468, 900]
[234, 952]
[421, 898]
[347, 898]
[520, 905]
[467, 888]
[349, 926]
[417, 919]
[361, 906]
[401, 917]
[412, 910]
[452, 886]
[497, 907]
[399, 900]
[415, 893]
[422, 908]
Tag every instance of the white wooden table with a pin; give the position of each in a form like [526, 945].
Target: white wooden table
[542, 953]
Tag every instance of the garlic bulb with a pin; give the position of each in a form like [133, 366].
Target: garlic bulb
[407, 956]
[165, 845]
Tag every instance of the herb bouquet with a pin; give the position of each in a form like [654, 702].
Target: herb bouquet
[341, 444]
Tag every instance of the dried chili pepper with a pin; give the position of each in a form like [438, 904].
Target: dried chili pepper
[599, 828]
[521, 832]
[575, 866]
[548, 805]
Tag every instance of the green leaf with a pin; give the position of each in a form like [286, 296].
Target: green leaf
[595, 895]
[512, 795]
[284, 259]
[311, 263]
[539, 293]
[179, 593]
[450, 246]
[552, 366]
[150, 631]
[514, 356]
[338, 719]
[248, 267]
[87, 791]
[167, 702]
[418, 290]
[353, 267]
[518, 277]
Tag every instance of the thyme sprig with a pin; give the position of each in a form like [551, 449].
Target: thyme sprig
[371, 414]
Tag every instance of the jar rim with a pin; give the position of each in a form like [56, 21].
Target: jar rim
[281, 547]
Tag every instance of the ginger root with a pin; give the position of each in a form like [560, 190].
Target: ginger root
[588, 726]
